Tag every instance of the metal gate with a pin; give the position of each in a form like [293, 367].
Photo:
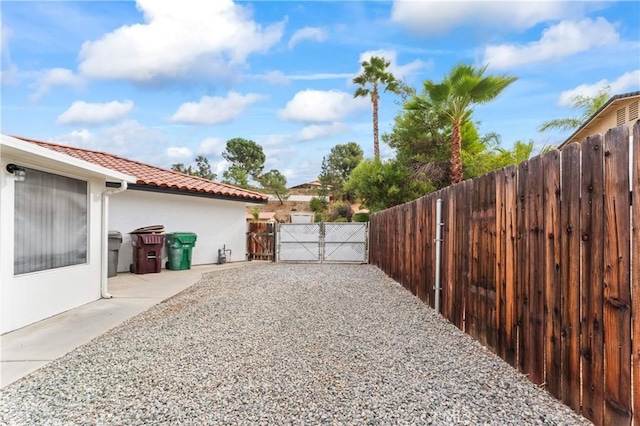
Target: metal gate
[323, 242]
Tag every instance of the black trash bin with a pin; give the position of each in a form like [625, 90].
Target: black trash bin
[115, 241]
[147, 250]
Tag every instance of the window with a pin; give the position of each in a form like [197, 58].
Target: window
[51, 222]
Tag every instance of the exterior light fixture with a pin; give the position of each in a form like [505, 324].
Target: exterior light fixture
[17, 171]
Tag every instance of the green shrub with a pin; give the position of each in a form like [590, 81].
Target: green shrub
[360, 217]
[317, 204]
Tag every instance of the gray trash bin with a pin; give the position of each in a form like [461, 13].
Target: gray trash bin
[115, 240]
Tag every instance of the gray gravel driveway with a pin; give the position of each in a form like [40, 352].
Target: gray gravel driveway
[283, 344]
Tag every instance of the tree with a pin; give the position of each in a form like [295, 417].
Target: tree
[245, 155]
[343, 158]
[380, 185]
[339, 164]
[587, 105]
[235, 175]
[325, 177]
[275, 182]
[453, 97]
[203, 168]
[374, 74]
[494, 157]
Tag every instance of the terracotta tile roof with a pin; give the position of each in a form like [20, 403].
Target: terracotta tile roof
[153, 176]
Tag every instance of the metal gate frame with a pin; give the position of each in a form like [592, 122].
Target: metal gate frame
[316, 247]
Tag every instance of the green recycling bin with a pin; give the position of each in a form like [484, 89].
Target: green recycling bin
[179, 247]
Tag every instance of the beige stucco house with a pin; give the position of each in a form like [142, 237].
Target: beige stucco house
[619, 110]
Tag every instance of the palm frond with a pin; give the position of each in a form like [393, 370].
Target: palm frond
[561, 124]
[361, 92]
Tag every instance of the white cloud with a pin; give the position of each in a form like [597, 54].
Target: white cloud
[55, 77]
[318, 106]
[626, 82]
[179, 153]
[128, 138]
[398, 71]
[307, 33]
[215, 109]
[278, 77]
[316, 131]
[82, 138]
[211, 146]
[81, 112]
[131, 137]
[319, 76]
[275, 77]
[434, 17]
[8, 69]
[177, 39]
[558, 41]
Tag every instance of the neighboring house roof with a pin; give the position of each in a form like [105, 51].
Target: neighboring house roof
[312, 184]
[152, 178]
[295, 197]
[612, 101]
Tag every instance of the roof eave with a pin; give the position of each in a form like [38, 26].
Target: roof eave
[596, 114]
[18, 146]
[191, 193]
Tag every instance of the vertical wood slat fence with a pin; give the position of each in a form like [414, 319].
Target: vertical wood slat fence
[537, 265]
[261, 241]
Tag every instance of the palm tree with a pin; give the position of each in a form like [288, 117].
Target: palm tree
[588, 105]
[374, 74]
[463, 87]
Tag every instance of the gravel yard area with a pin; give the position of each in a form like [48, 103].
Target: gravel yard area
[283, 344]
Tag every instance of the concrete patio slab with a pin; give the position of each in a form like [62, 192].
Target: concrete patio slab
[25, 350]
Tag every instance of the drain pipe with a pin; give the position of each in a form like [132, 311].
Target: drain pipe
[438, 242]
[104, 293]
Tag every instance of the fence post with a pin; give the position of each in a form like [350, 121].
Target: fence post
[438, 242]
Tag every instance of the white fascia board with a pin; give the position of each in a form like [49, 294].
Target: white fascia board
[13, 146]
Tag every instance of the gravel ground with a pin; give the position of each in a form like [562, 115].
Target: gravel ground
[283, 344]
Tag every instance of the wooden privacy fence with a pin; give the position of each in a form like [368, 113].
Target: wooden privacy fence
[536, 265]
[261, 241]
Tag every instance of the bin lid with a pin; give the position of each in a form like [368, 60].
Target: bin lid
[183, 237]
[153, 229]
[115, 234]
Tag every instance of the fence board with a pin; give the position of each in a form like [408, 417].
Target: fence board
[500, 242]
[617, 291]
[535, 276]
[635, 271]
[480, 255]
[490, 279]
[570, 270]
[466, 233]
[511, 318]
[458, 283]
[408, 248]
[448, 217]
[553, 295]
[592, 235]
[522, 263]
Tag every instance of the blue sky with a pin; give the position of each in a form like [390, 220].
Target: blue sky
[162, 81]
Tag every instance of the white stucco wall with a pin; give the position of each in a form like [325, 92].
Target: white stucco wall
[29, 298]
[215, 222]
